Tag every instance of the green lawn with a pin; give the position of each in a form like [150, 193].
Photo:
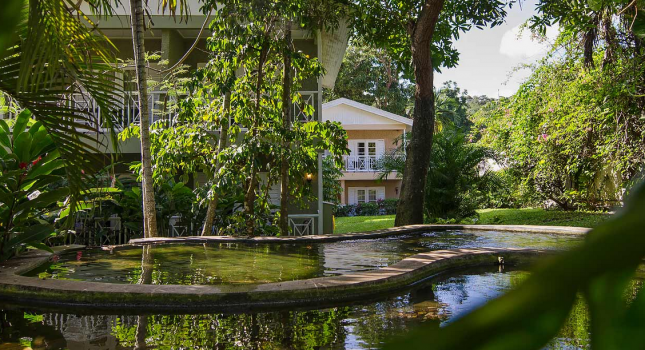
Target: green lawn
[363, 223]
[486, 216]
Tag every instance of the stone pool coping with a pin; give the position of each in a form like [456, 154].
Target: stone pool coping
[315, 292]
[563, 230]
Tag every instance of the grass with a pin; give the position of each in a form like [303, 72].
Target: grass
[486, 217]
[363, 223]
[540, 217]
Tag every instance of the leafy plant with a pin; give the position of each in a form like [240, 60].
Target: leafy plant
[42, 70]
[332, 190]
[30, 170]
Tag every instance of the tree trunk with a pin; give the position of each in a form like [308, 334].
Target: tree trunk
[147, 262]
[283, 224]
[149, 211]
[410, 208]
[250, 195]
[221, 145]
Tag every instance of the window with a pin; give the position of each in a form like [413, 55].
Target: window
[372, 196]
[360, 148]
[361, 195]
[371, 148]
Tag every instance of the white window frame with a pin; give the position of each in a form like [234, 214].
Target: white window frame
[361, 195]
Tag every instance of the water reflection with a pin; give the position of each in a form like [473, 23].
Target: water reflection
[358, 326]
[264, 263]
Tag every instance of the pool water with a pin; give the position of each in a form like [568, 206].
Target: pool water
[234, 263]
[360, 326]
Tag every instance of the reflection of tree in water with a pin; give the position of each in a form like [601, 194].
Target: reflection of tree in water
[297, 330]
[147, 265]
[376, 322]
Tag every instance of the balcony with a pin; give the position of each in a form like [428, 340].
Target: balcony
[361, 163]
[128, 113]
[372, 163]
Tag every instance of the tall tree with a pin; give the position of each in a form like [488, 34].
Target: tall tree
[287, 81]
[369, 75]
[420, 33]
[137, 18]
[149, 210]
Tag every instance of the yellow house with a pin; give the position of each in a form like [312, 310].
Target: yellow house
[371, 134]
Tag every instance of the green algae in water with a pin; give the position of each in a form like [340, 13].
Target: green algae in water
[233, 263]
[211, 264]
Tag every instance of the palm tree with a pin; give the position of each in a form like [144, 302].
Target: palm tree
[50, 50]
[48, 56]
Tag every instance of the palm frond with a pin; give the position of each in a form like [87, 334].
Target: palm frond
[59, 53]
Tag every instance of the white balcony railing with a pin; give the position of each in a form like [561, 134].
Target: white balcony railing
[361, 163]
[127, 112]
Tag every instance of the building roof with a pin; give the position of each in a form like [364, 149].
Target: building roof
[334, 45]
[369, 109]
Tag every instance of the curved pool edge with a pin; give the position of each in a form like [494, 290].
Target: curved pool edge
[322, 291]
[562, 230]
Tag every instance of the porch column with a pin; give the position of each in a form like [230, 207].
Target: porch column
[404, 142]
[342, 192]
[172, 46]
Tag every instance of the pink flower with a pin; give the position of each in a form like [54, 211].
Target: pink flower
[79, 255]
[551, 110]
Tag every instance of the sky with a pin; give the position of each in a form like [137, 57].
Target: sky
[489, 56]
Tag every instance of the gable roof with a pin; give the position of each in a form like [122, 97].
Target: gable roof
[379, 112]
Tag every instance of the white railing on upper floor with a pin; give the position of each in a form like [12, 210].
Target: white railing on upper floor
[355, 163]
[361, 163]
[128, 113]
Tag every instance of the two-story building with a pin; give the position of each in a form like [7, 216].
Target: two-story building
[174, 39]
[372, 133]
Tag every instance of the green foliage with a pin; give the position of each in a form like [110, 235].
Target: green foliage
[454, 183]
[613, 25]
[31, 172]
[571, 134]
[248, 47]
[381, 207]
[42, 66]
[386, 24]
[332, 189]
[370, 76]
[600, 270]
[451, 106]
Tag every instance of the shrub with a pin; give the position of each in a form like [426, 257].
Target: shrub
[381, 207]
[368, 209]
[32, 174]
[388, 206]
[454, 184]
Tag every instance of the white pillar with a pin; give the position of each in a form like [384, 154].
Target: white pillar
[342, 192]
[404, 145]
[319, 114]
